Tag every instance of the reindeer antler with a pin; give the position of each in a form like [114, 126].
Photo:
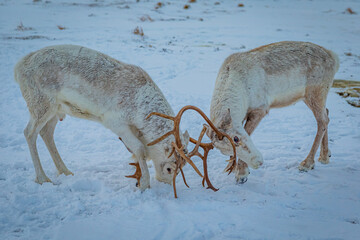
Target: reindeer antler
[195, 152]
[178, 147]
[137, 175]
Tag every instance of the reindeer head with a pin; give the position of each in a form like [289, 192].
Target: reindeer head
[245, 148]
[166, 166]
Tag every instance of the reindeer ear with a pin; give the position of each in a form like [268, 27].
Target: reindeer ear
[186, 138]
[226, 121]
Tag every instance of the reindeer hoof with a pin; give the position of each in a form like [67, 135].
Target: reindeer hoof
[66, 173]
[43, 179]
[137, 184]
[305, 166]
[242, 180]
[143, 184]
[325, 159]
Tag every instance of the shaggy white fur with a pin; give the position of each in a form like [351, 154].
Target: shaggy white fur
[84, 83]
[271, 76]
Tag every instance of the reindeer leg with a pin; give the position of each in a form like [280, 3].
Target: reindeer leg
[325, 153]
[31, 132]
[315, 100]
[41, 110]
[47, 134]
[37, 121]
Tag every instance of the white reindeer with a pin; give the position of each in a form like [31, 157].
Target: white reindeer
[84, 83]
[271, 76]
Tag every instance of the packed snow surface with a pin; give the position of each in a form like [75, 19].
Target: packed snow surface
[182, 50]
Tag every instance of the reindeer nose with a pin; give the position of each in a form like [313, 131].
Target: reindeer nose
[256, 161]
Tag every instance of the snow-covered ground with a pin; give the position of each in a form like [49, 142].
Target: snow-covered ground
[182, 50]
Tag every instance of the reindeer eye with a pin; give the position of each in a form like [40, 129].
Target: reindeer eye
[236, 139]
[169, 170]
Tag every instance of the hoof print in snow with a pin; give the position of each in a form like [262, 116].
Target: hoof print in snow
[138, 31]
[353, 220]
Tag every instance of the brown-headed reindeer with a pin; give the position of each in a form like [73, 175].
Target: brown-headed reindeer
[271, 76]
[84, 83]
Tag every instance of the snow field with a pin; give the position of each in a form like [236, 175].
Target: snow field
[182, 54]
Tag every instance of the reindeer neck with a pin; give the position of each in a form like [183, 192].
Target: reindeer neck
[231, 96]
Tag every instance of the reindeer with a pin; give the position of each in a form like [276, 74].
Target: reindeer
[84, 83]
[249, 84]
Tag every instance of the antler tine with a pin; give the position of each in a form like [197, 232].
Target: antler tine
[178, 166]
[161, 138]
[232, 161]
[195, 151]
[182, 154]
[172, 132]
[231, 165]
[174, 179]
[160, 115]
[206, 176]
[182, 174]
[172, 152]
[137, 175]
[206, 148]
